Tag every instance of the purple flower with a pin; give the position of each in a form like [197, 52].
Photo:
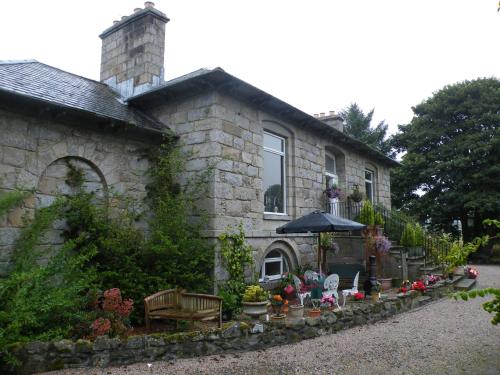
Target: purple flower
[382, 244]
[333, 192]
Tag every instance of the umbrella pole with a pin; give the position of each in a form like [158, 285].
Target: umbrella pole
[319, 252]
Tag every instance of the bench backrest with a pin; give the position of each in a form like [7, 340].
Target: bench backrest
[165, 299]
[193, 302]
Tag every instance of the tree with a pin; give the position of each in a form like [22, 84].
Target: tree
[451, 169]
[357, 124]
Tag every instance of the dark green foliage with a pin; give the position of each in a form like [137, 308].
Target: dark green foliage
[119, 247]
[357, 124]
[11, 199]
[43, 302]
[452, 148]
[408, 236]
[177, 253]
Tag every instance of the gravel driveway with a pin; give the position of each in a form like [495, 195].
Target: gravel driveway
[444, 337]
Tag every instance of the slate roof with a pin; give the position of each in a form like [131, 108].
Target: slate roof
[38, 81]
[217, 79]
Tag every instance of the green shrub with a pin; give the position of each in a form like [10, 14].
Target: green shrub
[43, 302]
[11, 199]
[419, 235]
[379, 219]
[408, 236]
[255, 293]
[367, 214]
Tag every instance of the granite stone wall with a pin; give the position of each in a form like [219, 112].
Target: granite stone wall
[227, 133]
[35, 155]
[234, 337]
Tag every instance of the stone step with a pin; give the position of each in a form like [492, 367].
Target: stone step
[430, 269]
[465, 284]
[422, 300]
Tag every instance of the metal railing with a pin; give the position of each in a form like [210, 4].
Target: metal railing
[433, 248]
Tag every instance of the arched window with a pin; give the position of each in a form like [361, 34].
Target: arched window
[331, 171]
[369, 185]
[274, 265]
[274, 177]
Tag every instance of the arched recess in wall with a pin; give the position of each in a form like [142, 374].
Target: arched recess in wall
[335, 165]
[278, 258]
[57, 178]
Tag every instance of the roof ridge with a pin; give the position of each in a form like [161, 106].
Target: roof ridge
[22, 61]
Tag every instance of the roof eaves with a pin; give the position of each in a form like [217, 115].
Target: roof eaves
[79, 110]
[259, 97]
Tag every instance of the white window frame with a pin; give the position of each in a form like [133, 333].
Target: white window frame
[328, 174]
[281, 259]
[372, 185]
[283, 154]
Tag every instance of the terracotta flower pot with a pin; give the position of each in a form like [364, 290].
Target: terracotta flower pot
[314, 313]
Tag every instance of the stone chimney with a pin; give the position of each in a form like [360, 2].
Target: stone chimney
[133, 51]
[332, 119]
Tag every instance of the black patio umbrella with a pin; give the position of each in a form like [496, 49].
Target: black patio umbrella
[317, 222]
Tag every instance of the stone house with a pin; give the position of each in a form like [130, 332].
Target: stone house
[272, 160]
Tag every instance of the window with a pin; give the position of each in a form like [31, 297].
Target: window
[274, 266]
[331, 171]
[369, 180]
[274, 174]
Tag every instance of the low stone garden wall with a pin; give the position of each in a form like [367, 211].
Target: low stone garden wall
[239, 336]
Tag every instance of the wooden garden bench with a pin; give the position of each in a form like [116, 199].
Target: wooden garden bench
[178, 305]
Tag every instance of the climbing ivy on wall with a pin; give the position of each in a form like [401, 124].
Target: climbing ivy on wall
[236, 256]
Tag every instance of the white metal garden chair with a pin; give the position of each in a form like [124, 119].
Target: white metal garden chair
[349, 292]
[331, 285]
[311, 275]
[298, 286]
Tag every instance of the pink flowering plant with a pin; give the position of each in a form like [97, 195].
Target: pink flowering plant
[327, 301]
[111, 314]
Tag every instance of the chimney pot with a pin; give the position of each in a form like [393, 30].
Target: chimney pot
[148, 69]
[316, 115]
[332, 113]
[322, 114]
[115, 22]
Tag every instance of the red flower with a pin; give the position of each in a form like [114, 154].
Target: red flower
[100, 327]
[418, 285]
[359, 296]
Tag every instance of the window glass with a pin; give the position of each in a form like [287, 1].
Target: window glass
[274, 266]
[330, 165]
[274, 142]
[273, 181]
[369, 185]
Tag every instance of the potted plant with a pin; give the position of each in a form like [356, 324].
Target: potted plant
[277, 304]
[315, 311]
[255, 301]
[408, 237]
[333, 195]
[471, 272]
[376, 291]
[356, 195]
[327, 302]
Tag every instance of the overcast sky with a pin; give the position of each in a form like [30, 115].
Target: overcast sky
[317, 55]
